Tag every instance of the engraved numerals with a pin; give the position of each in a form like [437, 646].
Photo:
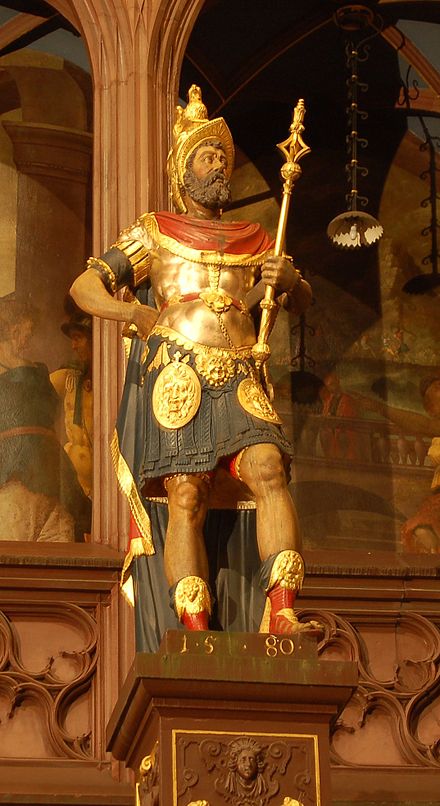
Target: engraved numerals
[279, 646]
[207, 645]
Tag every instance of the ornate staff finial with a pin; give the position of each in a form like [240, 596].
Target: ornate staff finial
[293, 149]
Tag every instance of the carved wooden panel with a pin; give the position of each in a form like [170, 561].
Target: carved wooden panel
[48, 655]
[242, 769]
[393, 717]
[235, 769]
[59, 611]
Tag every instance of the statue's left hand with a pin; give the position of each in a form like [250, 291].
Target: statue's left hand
[280, 274]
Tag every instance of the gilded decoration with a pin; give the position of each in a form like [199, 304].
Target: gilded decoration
[104, 270]
[148, 785]
[177, 394]
[252, 398]
[216, 301]
[191, 129]
[216, 364]
[287, 571]
[144, 544]
[138, 255]
[161, 359]
[214, 276]
[215, 369]
[209, 258]
[192, 596]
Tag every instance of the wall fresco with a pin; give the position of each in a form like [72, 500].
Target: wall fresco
[46, 399]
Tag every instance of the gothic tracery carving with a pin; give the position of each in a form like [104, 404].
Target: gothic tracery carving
[53, 690]
[399, 676]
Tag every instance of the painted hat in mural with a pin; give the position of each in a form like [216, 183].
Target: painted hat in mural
[77, 321]
[192, 127]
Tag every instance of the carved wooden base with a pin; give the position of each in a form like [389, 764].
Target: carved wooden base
[59, 672]
[230, 718]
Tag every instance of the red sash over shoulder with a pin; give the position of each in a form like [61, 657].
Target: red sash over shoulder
[230, 237]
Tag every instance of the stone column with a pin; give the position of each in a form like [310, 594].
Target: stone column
[54, 165]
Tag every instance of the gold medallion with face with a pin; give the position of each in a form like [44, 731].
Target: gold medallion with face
[176, 395]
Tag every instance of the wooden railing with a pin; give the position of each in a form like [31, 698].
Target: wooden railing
[359, 440]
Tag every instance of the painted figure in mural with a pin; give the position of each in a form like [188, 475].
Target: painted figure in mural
[338, 442]
[420, 534]
[40, 498]
[73, 385]
[193, 409]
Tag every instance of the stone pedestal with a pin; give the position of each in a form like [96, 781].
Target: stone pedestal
[230, 718]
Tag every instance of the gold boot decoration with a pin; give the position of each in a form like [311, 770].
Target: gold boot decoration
[286, 579]
[192, 601]
[287, 571]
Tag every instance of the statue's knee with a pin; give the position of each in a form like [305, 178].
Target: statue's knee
[268, 468]
[272, 473]
[188, 496]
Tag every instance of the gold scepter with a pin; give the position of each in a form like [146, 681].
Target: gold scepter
[293, 149]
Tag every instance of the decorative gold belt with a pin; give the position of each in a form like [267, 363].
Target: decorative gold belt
[216, 364]
[197, 348]
[215, 299]
[177, 392]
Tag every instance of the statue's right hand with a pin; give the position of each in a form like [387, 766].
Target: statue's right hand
[144, 318]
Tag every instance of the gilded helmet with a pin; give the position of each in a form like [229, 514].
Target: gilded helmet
[192, 128]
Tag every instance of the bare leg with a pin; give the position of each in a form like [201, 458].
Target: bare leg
[277, 535]
[185, 559]
[262, 470]
[185, 552]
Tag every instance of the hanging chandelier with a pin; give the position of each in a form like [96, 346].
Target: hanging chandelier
[355, 228]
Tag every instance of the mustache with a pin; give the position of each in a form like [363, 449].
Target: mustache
[213, 191]
[215, 176]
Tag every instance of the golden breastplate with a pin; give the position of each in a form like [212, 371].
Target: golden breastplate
[203, 302]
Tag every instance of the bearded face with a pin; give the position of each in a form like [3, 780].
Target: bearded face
[205, 180]
[213, 192]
